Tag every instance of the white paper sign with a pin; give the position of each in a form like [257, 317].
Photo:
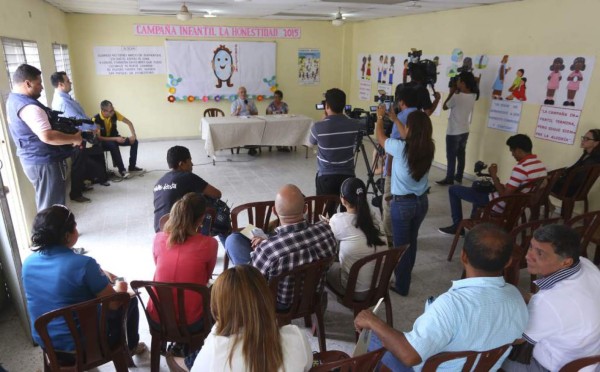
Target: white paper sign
[505, 115]
[557, 124]
[129, 60]
[364, 90]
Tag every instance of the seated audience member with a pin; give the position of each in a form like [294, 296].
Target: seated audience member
[590, 156]
[243, 106]
[111, 140]
[528, 168]
[54, 276]
[246, 336]
[479, 313]
[294, 243]
[179, 181]
[277, 106]
[563, 316]
[183, 255]
[358, 236]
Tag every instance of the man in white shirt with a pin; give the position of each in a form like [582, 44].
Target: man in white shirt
[564, 324]
[243, 106]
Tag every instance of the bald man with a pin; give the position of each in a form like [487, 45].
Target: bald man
[294, 243]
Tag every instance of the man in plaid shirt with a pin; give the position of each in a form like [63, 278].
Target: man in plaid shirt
[294, 243]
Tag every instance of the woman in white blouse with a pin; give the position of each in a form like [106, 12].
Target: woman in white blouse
[358, 236]
[245, 336]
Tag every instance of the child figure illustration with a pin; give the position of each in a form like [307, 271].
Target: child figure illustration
[379, 69]
[384, 69]
[574, 80]
[391, 72]
[516, 84]
[362, 69]
[554, 80]
[520, 92]
[369, 67]
[405, 72]
[499, 83]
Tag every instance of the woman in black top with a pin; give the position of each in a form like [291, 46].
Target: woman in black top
[590, 143]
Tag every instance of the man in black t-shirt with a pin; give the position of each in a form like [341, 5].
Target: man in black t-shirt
[178, 182]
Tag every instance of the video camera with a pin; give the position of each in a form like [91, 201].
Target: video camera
[425, 69]
[484, 183]
[321, 106]
[383, 98]
[367, 118]
[72, 126]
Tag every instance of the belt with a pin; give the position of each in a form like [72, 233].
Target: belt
[404, 197]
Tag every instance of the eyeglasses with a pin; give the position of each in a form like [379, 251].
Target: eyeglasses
[584, 138]
[65, 208]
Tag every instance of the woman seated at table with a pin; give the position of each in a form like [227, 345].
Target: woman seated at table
[358, 236]
[246, 336]
[183, 255]
[277, 107]
[591, 155]
[54, 276]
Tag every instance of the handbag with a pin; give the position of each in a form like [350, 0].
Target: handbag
[222, 222]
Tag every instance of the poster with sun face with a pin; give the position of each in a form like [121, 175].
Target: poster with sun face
[219, 68]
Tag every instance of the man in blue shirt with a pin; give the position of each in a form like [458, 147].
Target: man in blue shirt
[479, 313]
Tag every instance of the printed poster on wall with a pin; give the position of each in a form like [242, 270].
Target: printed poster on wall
[308, 66]
[129, 60]
[364, 90]
[505, 116]
[557, 124]
[219, 68]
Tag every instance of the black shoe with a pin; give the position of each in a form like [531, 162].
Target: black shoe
[135, 169]
[252, 152]
[547, 102]
[550, 101]
[451, 230]
[458, 179]
[81, 199]
[566, 103]
[572, 103]
[445, 182]
[393, 289]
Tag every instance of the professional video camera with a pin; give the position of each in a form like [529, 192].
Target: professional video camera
[484, 183]
[427, 69]
[367, 118]
[72, 126]
[467, 66]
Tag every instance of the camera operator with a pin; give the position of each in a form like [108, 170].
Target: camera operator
[38, 145]
[335, 137]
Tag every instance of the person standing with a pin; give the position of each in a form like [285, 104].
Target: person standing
[39, 147]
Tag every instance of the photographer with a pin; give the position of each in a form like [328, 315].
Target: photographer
[335, 137]
[38, 145]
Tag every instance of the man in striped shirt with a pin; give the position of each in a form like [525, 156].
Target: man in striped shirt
[335, 137]
[528, 168]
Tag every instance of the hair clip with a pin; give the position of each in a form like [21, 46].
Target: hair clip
[359, 191]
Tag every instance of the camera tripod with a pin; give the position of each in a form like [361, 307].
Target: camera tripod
[360, 147]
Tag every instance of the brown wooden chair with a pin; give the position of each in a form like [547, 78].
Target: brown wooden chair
[88, 325]
[307, 295]
[588, 226]
[211, 214]
[514, 205]
[169, 301]
[258, 214]
[576, 187]
[538, 190]
[341, 362]
[321, 204]
[384, 263]
[486, 360]
[521, 236]
[578, 364]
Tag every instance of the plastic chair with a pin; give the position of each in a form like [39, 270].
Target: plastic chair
[169, 302]
[210, 215]
[341, 362]
[321, 204]
[88, 325]
[486, 360]
[259, 215]
[588, 226]
[578, 364]
[576, 187]
[307, 294]
[514, 205]
[384, 263]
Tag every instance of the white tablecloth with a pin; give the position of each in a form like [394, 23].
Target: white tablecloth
[286, 130]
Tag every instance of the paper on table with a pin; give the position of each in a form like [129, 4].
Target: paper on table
[365, 336]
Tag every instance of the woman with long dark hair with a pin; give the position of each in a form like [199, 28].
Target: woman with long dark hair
[358, 237]
[246, 336]
[413, 155]
[590, 143]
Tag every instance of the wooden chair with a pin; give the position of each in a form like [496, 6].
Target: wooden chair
[210, 215]
[258, 213]
[576, 187]
[578, 364]
[384, 263]
[169, 301]
[321, 204]
[486, 360]
[539, 190]
[307, 294]
[339, 361]
[88, 325]
[514, 205]
[588, 226]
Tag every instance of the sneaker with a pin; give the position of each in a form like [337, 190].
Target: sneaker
[445, 182]
[81, 199]
[135, 169]
[451, 230]
[140, 348]
[124, 175]
[79, 250]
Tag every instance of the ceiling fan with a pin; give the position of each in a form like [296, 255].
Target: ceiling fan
[184, 14]
[339, 19]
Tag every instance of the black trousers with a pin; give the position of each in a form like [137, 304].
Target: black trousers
[79, 159]
[330, 184]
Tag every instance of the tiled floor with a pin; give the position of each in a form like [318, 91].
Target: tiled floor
[116, 229]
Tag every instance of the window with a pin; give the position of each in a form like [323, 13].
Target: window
[17, 52]
[62, 61]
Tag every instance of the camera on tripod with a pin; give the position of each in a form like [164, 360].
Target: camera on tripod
[72, 126]
[365, 117]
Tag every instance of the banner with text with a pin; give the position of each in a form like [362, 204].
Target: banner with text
[557, 124]
[129, 60]
[199, 31]
[505, 115]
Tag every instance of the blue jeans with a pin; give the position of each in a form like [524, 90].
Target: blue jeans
[115, 153]
[238, 248]
[407, 216]
[49, 182]
[455, 150]
[458, 193]
[389, 360]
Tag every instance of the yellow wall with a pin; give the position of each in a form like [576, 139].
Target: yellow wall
[143, 98]
[529, 27]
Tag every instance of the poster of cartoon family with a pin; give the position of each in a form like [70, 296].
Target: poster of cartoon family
[219, 68]
[308, 66]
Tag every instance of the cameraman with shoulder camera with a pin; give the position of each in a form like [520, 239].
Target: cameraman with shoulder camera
[335, 137]
[38, 145]
[419, 87]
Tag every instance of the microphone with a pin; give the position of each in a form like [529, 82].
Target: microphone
[245, 101]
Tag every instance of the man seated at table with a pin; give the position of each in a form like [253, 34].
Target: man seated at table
[243, 106]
